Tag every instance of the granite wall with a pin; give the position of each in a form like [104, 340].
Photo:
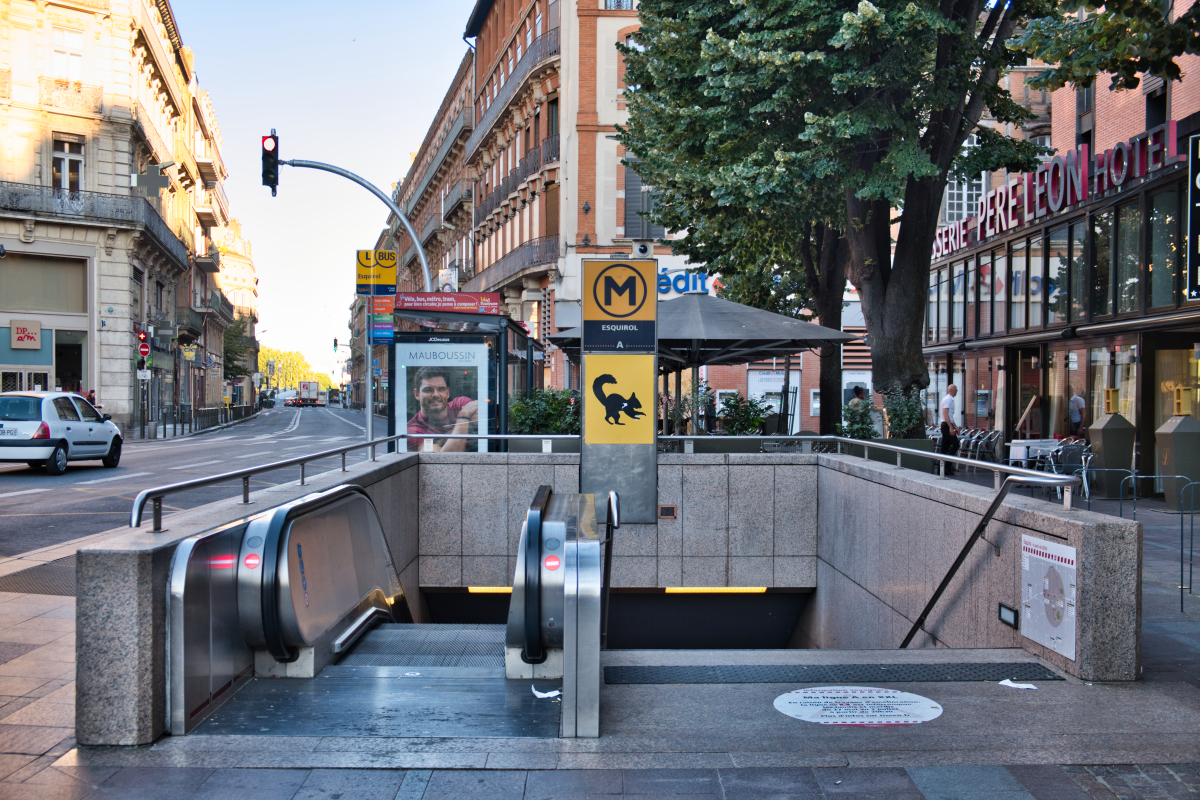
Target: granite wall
[743, 520]
[887, 537]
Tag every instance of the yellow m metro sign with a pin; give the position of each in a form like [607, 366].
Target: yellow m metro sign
[620, 302]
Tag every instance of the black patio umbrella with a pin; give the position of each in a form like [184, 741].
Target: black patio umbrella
[699, 329]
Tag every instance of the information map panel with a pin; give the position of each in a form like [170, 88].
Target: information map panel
[1049, 594]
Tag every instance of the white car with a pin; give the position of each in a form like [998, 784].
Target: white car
[51, 428]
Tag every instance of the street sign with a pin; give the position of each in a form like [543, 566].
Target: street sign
[619, 306]
[376, 272]
[143, 349]
[143, 374]
[619, 399]
[383, 320]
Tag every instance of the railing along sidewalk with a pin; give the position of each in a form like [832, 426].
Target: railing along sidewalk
[156, 494]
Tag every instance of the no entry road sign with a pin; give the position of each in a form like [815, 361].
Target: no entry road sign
[143, 349]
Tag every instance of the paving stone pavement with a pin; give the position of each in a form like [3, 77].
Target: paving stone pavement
[39, 759]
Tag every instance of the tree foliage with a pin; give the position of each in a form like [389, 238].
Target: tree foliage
[291, 367]
[236, 349]
[545, 411]
[756, 118]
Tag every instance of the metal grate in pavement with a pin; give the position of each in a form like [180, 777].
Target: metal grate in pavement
[831, 673]
[55, 577]
[429, 645]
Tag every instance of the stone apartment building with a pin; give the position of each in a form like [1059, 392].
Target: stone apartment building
[520, 176]
[239, 284]
[94, 93]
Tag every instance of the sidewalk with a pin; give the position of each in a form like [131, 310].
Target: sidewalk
[1068, 740]
[165, 430]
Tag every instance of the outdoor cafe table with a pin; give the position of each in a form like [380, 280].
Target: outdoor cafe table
[1027, 450]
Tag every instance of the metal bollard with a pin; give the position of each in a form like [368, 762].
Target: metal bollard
[1068, 492]
[157, 514]
[302, 473]
[343, 462]
[246, 490]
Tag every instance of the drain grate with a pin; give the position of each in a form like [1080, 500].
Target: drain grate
[832, 673]
[55, 577]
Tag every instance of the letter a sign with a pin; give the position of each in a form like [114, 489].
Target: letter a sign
[619, 305]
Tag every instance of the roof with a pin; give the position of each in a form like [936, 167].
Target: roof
[699, 329]
[478, 15]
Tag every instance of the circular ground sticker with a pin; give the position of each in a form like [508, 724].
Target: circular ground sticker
[860, 706]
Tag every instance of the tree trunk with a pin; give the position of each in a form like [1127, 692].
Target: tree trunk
[827, 283]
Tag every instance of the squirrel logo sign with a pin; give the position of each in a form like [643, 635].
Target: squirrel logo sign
[614, 403]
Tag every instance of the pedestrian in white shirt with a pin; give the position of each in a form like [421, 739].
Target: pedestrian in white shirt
[1075, 407]
[949, 443]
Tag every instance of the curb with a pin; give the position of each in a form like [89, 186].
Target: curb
[220, 427]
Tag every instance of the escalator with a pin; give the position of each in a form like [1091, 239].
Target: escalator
[305, 632]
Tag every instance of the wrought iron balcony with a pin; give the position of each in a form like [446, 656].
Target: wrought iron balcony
[541, 49]
[550, 149]
[212, 209]
[5, 84]
[191, 323]
[208, 160]
[530, 165]
[95, 208]
[210, 260]
[459, 194]
[513, 263]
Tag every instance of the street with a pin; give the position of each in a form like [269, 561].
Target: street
[37, 510]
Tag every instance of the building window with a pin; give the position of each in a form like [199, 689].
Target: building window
[618, 5]
[639, 199]
[1018, 286]
[537, 25]
[1129, 260]
[1102, 273]
[1078, 273]
[68, 54]
[958, 291]
[814, 402]
[985, 294]
[962, 195]
[931, 309]
[67, 166]
[1164, 251]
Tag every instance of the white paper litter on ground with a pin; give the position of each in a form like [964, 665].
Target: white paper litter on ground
[1007, 682]
[544, 695]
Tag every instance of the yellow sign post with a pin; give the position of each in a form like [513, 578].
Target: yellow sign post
[619, 345]
[376, 272]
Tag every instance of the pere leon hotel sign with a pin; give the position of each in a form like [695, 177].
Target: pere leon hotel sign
[1064, 181]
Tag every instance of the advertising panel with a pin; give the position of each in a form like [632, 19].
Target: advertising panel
[1193, 219]
[443, 388]
[462, 302]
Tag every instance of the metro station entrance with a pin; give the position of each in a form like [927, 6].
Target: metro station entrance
[307, 593]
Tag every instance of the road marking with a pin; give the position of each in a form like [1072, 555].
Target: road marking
[201, 464]
[26, 491]
[115, 478]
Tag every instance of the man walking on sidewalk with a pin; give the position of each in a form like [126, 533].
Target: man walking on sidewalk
[949, 444]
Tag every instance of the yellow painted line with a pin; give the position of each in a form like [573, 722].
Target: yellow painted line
[489, 589]
[716, 590]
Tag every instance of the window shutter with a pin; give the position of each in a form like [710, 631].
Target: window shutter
[633, 204]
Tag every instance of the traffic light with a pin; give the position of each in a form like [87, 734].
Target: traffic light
[335, 344]
[141, 334]
[270, 161]
[141, 363]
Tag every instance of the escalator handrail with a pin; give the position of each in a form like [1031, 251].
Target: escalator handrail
[534, 653]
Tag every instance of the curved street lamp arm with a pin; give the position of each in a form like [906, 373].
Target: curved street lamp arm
[387, 201]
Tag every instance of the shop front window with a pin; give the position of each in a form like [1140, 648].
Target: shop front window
[1102, 274]
[1056, 277]
[999, 290]
[985, 294]
[1078, 274]
[1029, 385]
[1175, 369]
[972, 305]
[1129, 258]
[931, 310]
[1125, 377]
[1164, 248]
[1064, 382]
[1037, 283]
[943, 306]
[1018, 282]
[1100, 363]
[958, 290]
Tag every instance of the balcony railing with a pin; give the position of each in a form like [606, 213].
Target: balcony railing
[145, 125]
[93, 207]
[524, 256]
[541, 49]
[432, 226]
[528, 166]
[5, 84]
[459, 193]
[70, 95]
[190, 322]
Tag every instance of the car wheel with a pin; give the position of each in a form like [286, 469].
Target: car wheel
[56, 464]
[114, 454]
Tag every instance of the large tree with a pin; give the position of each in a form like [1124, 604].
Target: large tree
[848, 115]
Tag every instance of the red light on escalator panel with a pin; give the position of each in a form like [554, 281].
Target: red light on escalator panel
[552, 563]
[252, 561]
[223, 562]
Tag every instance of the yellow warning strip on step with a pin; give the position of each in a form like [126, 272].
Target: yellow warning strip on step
[716, 589]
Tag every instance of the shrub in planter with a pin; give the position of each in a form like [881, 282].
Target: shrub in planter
[742, 416]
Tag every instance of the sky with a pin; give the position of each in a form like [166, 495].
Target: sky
[354, 84]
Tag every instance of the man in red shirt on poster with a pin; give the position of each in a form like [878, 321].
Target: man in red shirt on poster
[439, 414]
